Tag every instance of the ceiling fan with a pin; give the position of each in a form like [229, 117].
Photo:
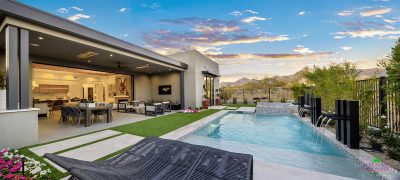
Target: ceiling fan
[122, 67]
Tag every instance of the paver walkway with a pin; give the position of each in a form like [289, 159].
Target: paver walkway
[73, 142]
[100, 149]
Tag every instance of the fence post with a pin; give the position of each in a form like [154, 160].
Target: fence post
[382, 94]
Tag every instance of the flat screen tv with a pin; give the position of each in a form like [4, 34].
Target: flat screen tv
[164, 90]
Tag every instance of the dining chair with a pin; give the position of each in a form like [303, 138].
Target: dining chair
[78, 114]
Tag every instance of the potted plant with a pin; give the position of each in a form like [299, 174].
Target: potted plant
[3, 94]
[205, 102]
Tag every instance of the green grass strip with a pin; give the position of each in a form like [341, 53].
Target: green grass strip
[89, 143]
[159, 126]
[55, 173]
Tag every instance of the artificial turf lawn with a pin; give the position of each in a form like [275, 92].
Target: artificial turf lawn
[159, 126]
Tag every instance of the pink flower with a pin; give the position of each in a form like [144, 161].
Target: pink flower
[16, 167]
[9, 176]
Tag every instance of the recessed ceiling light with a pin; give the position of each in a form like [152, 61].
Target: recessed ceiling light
[40, 37]
[35, 45]
[89, 61]
[111, 55]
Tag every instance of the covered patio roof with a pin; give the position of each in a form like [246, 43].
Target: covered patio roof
[57, 41]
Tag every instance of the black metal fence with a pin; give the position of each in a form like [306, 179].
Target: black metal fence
[375, 103]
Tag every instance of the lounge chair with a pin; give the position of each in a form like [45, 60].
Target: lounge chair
[153, 109]
[125, 106]
[155, 158]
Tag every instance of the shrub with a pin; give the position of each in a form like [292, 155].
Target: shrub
[245, 101]
[283, 100]
[234, 101]
[392, 146]
[375, 138]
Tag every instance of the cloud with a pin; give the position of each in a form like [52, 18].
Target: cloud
[236, 13]
[62, 10]
[288, 56]
[301, 13]
[339, 37]
[123, 10]
[76, 8]
[77, 17]
[206, 35]
[367, 33]
[392, 21]
[239, 13]
[153, 6]
[346, 48]
[374, 12]
[302, 50]
[251, 11]
[186, 39]
[207, 25]
[254, 18]
[345, 13]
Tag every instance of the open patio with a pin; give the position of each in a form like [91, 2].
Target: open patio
[51, 129]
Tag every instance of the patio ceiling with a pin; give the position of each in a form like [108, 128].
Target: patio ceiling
[51, 50]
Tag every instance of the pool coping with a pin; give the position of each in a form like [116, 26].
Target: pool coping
[359, 155]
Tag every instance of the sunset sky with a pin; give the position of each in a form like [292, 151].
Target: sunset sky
[247, 38]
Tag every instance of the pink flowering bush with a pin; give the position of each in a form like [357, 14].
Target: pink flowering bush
[189, 111]
[11, 166]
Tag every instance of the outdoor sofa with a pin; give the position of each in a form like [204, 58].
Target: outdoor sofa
[155, 158]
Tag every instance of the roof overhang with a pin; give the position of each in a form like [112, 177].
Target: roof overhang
[207, 73]
[30, 18]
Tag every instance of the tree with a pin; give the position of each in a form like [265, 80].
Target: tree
[335, 81]
[393, 71]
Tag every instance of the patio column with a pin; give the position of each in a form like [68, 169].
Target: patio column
[25, 70]
[12, 69]
[182, 89]
[18, 68]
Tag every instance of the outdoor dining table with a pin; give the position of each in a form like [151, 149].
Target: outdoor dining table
[88, 113]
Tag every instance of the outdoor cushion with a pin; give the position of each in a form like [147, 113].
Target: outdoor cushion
[155, 158]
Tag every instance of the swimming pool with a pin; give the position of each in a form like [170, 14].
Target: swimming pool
[282, 139]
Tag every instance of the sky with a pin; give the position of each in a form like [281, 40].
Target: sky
[250, 39]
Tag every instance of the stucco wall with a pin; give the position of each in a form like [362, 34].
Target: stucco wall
[19, 128]
[142, 88]
[172, 79]
[194, 79]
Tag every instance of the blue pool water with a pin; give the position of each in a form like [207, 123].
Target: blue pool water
[282, 139]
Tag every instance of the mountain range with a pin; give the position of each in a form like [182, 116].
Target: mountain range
[363, 74]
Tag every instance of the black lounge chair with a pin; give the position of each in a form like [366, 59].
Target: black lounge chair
[155, 158]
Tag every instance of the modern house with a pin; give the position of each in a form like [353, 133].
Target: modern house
[47, 58]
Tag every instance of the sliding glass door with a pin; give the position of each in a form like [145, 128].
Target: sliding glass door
[209, 89]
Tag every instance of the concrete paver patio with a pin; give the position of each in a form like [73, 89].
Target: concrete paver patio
[73, 142]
